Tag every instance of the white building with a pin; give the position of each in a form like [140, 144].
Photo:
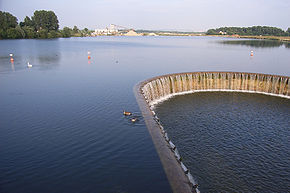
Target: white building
[107, 31]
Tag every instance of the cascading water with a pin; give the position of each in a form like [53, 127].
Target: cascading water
[169, 85]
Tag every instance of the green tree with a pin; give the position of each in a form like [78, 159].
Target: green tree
[3, 34]
[27, 22]
[13, 33]
[42, 34]
[66, 32]
[288, 31]
[7, 21]
[255, 30]
[75, 30]
[52, 34]
[46, 20]
[211, 32]
[20, 31]
[29, 32]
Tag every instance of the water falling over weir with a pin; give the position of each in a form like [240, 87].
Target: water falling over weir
[152, 91]
[162, 87]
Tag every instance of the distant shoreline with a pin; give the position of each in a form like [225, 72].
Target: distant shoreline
[202, 34]
[279, 38]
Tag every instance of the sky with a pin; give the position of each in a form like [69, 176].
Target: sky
[180, 15]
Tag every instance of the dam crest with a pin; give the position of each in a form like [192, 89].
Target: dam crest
[163, 87]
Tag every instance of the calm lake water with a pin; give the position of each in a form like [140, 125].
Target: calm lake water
[61, 122]
[232, 142]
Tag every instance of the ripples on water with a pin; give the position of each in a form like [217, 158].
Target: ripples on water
[62, 127]
[61, 122]
[232, 142]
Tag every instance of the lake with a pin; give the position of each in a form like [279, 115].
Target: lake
[61, 122]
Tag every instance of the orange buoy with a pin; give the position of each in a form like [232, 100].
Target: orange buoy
[89, 57]
[11, 59]
[252, 53]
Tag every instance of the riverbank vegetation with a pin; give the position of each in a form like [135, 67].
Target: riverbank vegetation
[43, 24]
[249, 31]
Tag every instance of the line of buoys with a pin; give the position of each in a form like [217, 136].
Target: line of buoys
[173, 148]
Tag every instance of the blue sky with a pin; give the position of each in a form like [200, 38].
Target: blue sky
[182, 15]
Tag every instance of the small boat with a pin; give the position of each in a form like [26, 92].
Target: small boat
[29, 65]
[127, 113]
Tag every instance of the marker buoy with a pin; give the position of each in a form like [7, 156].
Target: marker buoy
[11, 58]
[252, 53]
[89, 57]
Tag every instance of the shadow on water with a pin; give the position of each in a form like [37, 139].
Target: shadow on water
[257, 43]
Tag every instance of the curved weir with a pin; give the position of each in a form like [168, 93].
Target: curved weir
[157, 89]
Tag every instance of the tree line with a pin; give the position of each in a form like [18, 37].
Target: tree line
[250, 31]
[43, 24]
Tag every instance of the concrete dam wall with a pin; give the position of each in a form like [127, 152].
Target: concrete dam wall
[164, 86]
[154, 90]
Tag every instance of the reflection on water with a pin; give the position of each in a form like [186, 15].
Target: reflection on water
[42, 54]
[257, 43]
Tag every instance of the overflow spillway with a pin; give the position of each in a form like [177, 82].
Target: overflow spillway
[157, 89]
[163, 87]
